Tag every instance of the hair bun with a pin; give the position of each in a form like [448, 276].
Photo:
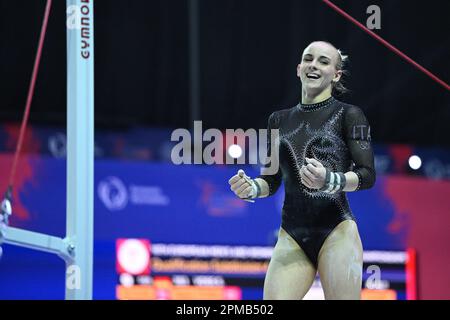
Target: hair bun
[344, 57]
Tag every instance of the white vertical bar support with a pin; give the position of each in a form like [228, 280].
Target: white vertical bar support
[80, 147]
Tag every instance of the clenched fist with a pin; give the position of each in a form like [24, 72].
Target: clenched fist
[313, 174]
[242, 186]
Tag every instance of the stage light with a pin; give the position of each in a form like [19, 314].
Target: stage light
[235, 151]
[415, 162]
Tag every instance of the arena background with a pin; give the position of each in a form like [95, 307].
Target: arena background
[245, 68]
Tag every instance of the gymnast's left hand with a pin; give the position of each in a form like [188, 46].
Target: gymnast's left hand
[313, 174]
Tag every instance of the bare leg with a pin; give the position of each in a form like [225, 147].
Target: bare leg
[341, 262]
[290, 273]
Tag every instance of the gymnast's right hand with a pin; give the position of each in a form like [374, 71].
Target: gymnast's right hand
[242, 186]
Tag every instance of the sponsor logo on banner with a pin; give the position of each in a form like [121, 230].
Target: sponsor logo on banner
[115, 195]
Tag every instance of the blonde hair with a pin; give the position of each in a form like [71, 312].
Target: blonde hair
[339, 87]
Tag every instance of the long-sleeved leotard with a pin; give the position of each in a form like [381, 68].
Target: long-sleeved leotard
[337, 135]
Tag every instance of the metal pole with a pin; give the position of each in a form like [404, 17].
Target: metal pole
[38, 241]
[80, 150]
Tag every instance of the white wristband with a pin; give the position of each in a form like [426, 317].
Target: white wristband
[253, 193]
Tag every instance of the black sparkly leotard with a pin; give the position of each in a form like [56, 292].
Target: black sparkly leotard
[337, 135]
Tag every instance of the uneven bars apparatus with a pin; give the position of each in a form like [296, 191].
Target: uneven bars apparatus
[76, 249]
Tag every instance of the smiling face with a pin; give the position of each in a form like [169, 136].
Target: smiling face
[318, 69]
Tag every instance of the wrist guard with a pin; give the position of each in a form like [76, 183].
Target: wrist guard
[334, 182]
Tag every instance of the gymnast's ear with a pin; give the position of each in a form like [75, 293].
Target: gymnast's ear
[337, 76]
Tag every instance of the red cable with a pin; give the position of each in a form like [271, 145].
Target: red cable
[388, 45]
[30, 92]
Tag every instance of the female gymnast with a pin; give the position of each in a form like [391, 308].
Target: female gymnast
[324, 151]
